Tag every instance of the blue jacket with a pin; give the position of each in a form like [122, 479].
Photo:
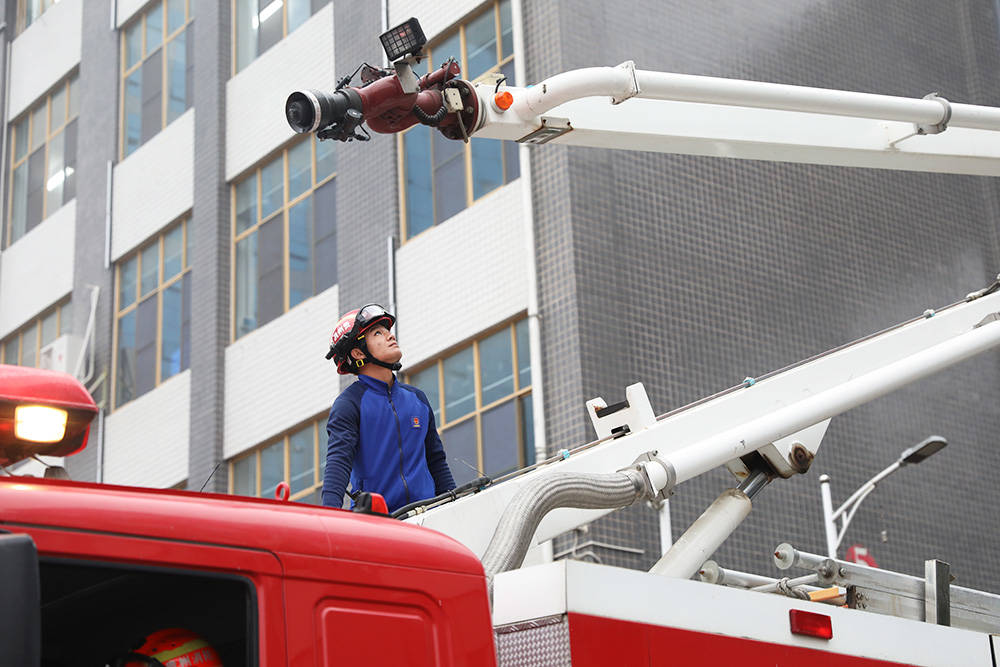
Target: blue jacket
[385, 440]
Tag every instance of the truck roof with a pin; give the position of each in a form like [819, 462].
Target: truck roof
[235, 521]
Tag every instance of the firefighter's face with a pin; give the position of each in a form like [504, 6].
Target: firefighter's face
[381, 345]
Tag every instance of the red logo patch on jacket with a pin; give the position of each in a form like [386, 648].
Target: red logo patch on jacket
[416, 422]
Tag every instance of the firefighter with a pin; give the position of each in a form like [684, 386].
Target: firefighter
[381, 432]
[171, 647]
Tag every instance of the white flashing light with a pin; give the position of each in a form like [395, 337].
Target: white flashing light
[39, 423]
[265, 13]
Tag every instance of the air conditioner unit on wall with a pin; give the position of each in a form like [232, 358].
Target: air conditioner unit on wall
[61, 354]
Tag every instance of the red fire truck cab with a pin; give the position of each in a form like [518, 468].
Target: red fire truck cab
[265, 582]
[89, 570]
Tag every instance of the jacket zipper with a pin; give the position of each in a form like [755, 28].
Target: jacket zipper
[399, 436]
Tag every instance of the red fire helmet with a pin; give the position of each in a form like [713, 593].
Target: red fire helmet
[349, 327]
[172, 647]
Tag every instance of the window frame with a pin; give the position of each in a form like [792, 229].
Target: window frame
[124, 71]
[287, 204]
[161, 285]
[22, 13]
[66, 86]
[469, 185]
[36, 322]
[480, 409]
[233, 55]
[316, 424]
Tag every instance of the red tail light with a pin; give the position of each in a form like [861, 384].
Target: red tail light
[810, 624]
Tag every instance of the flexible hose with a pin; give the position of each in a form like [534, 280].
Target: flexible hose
[477, 485]
[427, 119]
[580, 490]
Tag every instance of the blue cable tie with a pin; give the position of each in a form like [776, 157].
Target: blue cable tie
[564, 453]
[749, 381]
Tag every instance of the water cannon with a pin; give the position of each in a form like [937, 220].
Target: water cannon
[390, 100]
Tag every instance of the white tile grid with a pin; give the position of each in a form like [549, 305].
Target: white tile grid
[37, 270]
[462, 276]
[255, 98]
[276, 376]
[146, 440]
[434, 16]
[153, 186]
[44, 53]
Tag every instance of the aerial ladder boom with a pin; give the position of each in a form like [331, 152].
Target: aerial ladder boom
[781, 416]
[626, 108]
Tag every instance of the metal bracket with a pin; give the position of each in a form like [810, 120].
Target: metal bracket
[404, 72]
[942, 125]
[659, 476]
[992, 317]
[628, 66]
[937, 592]
[989, 289]
[550, 129]
[635, 412]
[453, 100]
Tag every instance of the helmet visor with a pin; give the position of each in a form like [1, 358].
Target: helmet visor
[370, 314]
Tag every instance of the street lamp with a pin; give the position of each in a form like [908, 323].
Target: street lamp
[845, 512]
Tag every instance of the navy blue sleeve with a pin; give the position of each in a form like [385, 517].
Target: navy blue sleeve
[343, 429]
[437, 462]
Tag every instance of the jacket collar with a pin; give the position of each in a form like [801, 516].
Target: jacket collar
[377, 385]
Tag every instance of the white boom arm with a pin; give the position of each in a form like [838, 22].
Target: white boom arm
[783, 417]
[625, 108]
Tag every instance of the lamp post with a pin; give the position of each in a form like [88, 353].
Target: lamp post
[845, 512]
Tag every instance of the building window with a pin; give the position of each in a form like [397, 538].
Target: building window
[157, 63]
[481, 397]
[298, 458]
[24, 346]
[28, 11]
[441, 177]
[153, 314]
[260, 24]
[284, 233]
[43, 159]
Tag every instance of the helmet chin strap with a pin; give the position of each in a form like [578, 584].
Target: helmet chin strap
[369, 359]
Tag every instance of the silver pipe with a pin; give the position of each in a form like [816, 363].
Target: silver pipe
[88, 339]
[6, 109]
[712, 573]
[109, 191]
[531, 276]
[99, 474]
[580, 490]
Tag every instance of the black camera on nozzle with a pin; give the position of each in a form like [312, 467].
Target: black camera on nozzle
[333, 115]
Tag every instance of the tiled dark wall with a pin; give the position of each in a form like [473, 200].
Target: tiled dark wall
[690, 273]
[367, 199]
[212, 247]
[96, 141]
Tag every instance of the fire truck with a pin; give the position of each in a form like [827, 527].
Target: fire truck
[91, 568]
